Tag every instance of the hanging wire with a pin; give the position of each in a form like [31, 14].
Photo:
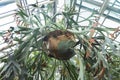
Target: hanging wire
[54, 10]
[103, 7]
[79, 10]
[26, 7]
[105, 16]
[108, 13]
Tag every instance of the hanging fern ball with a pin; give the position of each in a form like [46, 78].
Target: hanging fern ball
[59, 44]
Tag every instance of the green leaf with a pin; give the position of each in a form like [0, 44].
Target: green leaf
[24, 28]
[81, 66]
[100, 29]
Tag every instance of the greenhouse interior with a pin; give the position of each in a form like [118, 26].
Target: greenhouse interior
[59, 39]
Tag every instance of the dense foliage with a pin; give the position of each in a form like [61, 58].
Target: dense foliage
[97, 53]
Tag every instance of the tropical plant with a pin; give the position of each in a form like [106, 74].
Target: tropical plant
[97, 51]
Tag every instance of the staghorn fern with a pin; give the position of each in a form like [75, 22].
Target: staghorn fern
[95, 56]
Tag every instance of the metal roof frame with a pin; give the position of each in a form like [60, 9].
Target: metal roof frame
[108, 8]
